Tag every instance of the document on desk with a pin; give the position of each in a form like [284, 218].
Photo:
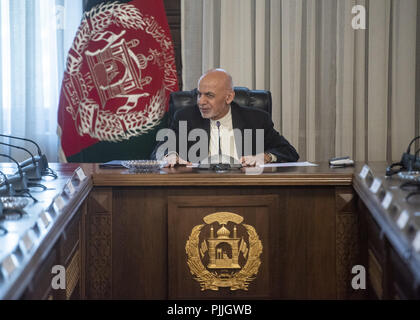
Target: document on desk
[289, 164]
[114, 164]
[272, 165]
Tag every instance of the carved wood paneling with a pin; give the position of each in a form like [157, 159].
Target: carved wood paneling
[99, 245]
[375, 274]
[72, 274]
[185, 213]
[300, 239]
[347, 253]
[313, 232]
[347, 243]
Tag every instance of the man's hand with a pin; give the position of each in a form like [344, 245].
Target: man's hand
[252, 161]
[173, 159]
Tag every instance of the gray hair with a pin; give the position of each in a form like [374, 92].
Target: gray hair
[229, 77]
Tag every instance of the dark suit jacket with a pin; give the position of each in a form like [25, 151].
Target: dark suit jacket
[242, 118]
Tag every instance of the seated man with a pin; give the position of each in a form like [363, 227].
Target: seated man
[231, 130]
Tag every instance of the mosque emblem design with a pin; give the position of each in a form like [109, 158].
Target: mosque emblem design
[224, 252]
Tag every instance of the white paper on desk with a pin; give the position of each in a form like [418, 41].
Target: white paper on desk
[193, 165]
[289, 164]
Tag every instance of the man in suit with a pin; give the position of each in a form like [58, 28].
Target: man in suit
[243, 133]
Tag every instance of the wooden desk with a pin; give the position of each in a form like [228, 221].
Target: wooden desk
[390, 226]
[136, 236]
[139, 224]
[44, 236]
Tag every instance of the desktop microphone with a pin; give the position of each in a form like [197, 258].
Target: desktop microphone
[218, 135]
[32, 170]
[40, 158]
[24, 139]
[409, 162]
[18, 181]
[5, 180]
[220, 166]
[6, 188]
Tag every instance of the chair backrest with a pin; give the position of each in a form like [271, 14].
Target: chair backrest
[243, 96]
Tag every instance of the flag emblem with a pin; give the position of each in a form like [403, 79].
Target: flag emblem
[119, 73]
[219, 257]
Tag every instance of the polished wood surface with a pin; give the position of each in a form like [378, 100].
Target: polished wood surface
[48, 245]
[136, 237]
[389, 233]
[260, 211]
[127, 241]
[138, 224]
[184, 176]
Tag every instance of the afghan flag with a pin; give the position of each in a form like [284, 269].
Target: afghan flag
[120, 71]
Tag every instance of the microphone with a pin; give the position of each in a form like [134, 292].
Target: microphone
[218, 134]
[408, 162]
[32, 170]
[411, 162]
[24, 139]
[40, 158]
[5, 187]
[5, 180]
[220, 166]
[20, 181]
[411, 142]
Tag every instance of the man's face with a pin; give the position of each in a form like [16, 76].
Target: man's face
[214, 96]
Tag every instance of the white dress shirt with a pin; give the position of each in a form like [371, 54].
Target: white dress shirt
[227, 138]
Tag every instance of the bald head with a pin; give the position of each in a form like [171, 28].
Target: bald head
[219, 75]
[215, 93]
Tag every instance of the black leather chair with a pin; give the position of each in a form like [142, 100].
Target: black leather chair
[243, 96]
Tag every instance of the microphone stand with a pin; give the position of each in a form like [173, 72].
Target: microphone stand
[41, 158]
[33, 171]
[20, 181]
[6, 187]
[220, 166]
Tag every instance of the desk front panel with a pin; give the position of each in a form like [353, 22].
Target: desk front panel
[137, 236]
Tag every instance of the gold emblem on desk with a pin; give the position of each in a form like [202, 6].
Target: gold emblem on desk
[229, 257]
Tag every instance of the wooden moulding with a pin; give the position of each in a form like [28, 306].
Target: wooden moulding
[214, 179]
